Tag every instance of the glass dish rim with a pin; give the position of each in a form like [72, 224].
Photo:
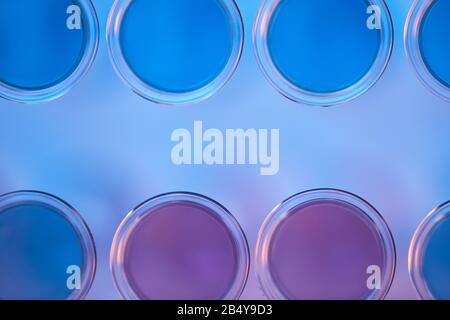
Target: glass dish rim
[59, 89]
[133, 82]
[418, 247]
[133, 218]
[414, 54]
[282, 211]
[299, 95]
[71, 215]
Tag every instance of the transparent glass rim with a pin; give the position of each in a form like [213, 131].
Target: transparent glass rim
[284, 210]
[418, 246]
[299, 95]
[148, 92]
[56, 91]
[412, 47]
[133, 218]
[76, 221]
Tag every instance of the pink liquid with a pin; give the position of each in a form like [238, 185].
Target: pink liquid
[181, 250]
[322, 251]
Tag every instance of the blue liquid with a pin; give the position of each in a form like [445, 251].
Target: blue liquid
[322, 46]
[176, 45]
[37, 49]
[434, 37]
[37, 244]
[436, 261]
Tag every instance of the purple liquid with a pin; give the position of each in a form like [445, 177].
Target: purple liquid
[322, 251]
[181, 250]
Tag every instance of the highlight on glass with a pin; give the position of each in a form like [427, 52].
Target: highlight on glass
[325, 244]
[429, 255]
[323, 52]
[46, 249]
[47, 47]
[426, 39]
[175, 51]
[180, 246]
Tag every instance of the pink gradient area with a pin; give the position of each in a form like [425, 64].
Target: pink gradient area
[181, 250]
[322, 251]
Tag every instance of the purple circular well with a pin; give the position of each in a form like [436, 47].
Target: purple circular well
[323, 249]
[180, 250]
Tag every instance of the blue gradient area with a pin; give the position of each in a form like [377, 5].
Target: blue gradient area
[176, 45]
[322, 45]
[37, 50]
[434, 38]
[436, 261]
[37, 244]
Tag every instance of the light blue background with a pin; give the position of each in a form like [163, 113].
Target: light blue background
[104, 149]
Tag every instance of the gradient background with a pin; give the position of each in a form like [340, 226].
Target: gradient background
[105, 150]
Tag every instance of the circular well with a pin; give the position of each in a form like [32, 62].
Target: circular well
[325, 244]
[47, 47]
[43, 242]
[175, 51]
[429, 255]
[180, 246]
[426, 38]
[323, 52]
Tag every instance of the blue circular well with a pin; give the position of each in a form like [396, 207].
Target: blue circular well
[434, 39]
[322, 50]
[42, 54]
[176, 45]
[175, 51]
[436, 261]
[41, 239]
[429, 255]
